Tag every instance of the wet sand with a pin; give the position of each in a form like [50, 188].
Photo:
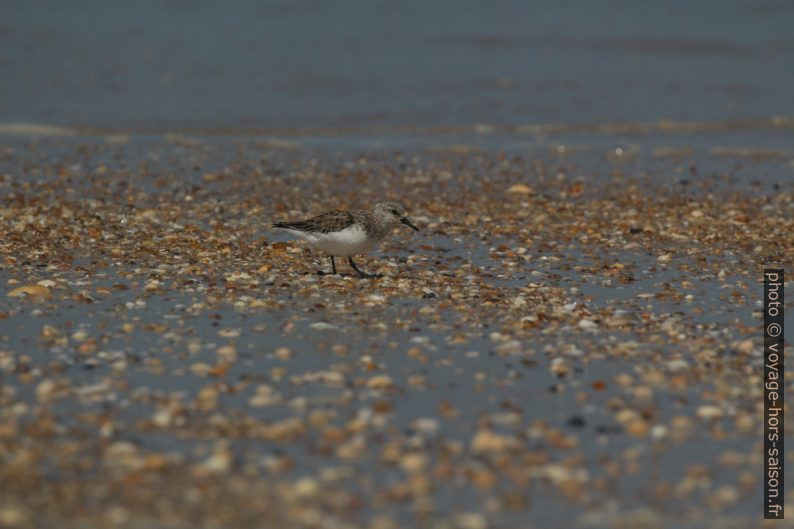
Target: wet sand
[572, 340]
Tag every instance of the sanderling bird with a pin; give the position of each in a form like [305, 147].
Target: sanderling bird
[345, 233]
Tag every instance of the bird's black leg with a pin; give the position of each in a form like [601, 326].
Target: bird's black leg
[360, 273]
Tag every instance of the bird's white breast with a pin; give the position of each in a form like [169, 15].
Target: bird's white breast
[350, 241]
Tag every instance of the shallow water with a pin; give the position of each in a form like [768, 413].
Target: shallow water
[310, 64]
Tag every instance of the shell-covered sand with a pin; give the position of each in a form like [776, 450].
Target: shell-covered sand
[572, 339]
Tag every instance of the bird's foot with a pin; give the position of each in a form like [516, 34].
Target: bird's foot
[360, 272]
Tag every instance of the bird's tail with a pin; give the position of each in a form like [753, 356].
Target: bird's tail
[297, 225]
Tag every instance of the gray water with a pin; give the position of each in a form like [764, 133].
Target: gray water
[297, 64]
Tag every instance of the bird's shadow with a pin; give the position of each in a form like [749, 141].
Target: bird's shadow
[354, 276]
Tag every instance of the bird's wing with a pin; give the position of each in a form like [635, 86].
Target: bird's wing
[329, 221]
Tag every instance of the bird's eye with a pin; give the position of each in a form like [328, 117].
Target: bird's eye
[395, 212]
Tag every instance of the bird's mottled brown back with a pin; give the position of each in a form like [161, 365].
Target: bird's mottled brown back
[327, 222]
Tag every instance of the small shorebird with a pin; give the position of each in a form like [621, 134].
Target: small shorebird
[345, 233]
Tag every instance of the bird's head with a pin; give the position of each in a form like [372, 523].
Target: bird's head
[394, 213]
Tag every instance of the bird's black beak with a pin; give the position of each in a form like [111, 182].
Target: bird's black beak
[408, 223]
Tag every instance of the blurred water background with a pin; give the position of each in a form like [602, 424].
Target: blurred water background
[313, 64]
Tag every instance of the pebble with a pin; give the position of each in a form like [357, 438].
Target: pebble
[306, 488]
[520, 189]
[487, 441]
[471, 520]
[31, 291]
[207, 399]
[379, 382]
[510, 347]
[413, 462]
[45, 391]
[12, 515]
[709, 412]
[283, 353]
[220, 461]
[322, 326]
[560, 367]
[227, 353]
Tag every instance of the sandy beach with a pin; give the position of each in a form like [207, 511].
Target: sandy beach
[571, 340]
